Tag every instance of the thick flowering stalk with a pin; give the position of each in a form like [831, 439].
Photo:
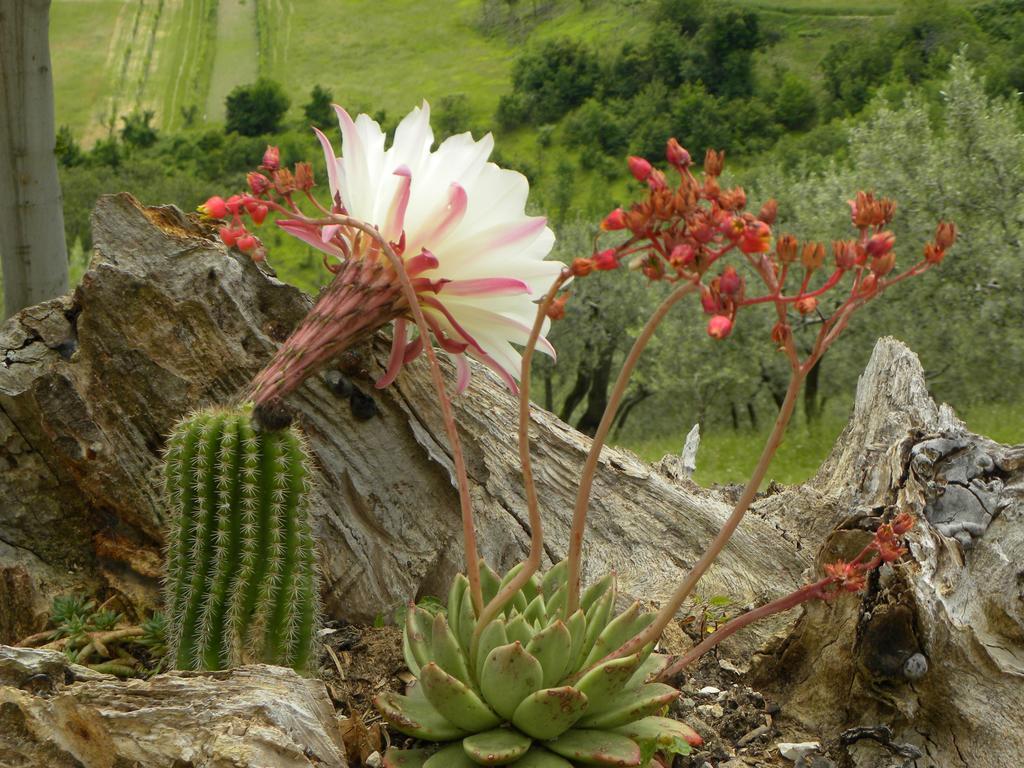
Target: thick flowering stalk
[476, 260]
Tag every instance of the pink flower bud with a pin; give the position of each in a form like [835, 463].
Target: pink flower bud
[656, 179]
[710, 302]
[258, 183]
[614, 220]
[259, 214]
[719, 327]
[605, 260]
[227, 236]
[639, 167]
[271, 159]
[215, 208]
[677, 154]
[234, 204]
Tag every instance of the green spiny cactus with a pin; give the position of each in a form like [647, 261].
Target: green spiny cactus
[531, 689]
[241, 582]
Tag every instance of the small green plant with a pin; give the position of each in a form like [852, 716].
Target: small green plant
[241, 579]
[530, 684]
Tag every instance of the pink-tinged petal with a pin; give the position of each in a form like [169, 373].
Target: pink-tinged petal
[397, 355]
[413, 350]
[447, 218]
[328, 232]
[487, 286]
[462, 367]
[332, 167]
[396, 213]
[430, 301]
[503, 374]
[421, 263]
[310, 235]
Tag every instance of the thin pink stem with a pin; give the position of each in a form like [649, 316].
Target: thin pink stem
[579, 519]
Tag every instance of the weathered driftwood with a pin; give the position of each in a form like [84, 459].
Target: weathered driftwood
[167, 320]
[58, 715]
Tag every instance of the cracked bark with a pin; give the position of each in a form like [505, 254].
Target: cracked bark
[167, 320]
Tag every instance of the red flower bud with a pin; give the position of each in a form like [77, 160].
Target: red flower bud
[868, 285]
[711, 303]
[730, 282]
[234, 204]
[677, 154]
[605, 260]
[682, 255]
[271, 159]
[880, 243]
[246, 243]
[259, 214]
[582, 267]
[806, 305]
[639, 167]
[614, 220]
[215, 208]
[258, 183]
[656, 179]
[556, 309]
[719, 327]
[227, 236]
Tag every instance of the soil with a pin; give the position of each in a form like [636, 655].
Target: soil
[740, 726]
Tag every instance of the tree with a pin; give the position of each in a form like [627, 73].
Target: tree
[795, 106]
[137, 131]
[32, 247]
[257, 108]
[319, 112]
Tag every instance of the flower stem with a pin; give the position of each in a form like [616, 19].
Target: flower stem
[532, 564]
[579, 519]
[668, 610]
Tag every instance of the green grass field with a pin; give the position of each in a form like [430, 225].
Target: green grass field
[728, 457]
[113, 56]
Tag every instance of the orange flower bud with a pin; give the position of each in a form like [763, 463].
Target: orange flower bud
[582, 267]
[813, 255]
[868, 285]
[284, 182]
[883, 265]
[845, 254]
[806, 305]
[769, 211]
[945, 235]
[756, 238]
[785, 249]
[556, 309]
[682, 255]
[933, 254]
[781, 333]
[304, 176]
[713, 163]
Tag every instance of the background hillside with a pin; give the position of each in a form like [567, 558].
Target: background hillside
[811, 99]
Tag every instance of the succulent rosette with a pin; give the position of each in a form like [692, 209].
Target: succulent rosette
[533, 687]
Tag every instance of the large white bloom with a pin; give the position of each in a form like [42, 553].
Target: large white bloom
[465, 231]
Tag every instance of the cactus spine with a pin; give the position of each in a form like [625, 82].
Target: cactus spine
[241, 579]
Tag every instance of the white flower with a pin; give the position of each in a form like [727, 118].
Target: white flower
[466, 236]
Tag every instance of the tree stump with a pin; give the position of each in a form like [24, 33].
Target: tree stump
[167, 320]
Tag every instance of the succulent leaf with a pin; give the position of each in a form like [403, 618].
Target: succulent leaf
[489, 582]
[577, 625]
[649, 668]
[555, 578]
[530, 589]
[491, 637]
[466, 622]
[535, 611]
[414, 716]
[452, 756]
[455, 595]
[592, 747]
[500, 746]
[596, 591]
[518, 628]
[405, 758]
[538, 757]
[597, 620]
[550, 712]
[456, 701]
[509, 675]
[551, 647]
[618, 631]
[660, 732]
[605, 681]
[632, 704]
[446, 652]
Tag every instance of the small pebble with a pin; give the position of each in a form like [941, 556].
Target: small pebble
[709, 690]
[687, 703]
[754, 735]
[374, 760]
[712, 711]
[794, 751]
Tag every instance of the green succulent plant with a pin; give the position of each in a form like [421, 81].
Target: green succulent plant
[241, 578]
[531, 688]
